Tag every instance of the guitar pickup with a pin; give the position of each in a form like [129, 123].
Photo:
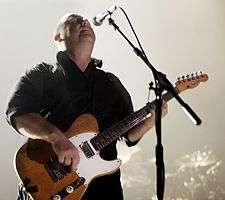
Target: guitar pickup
[87, 150]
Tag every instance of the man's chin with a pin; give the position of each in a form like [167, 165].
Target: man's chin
[87, 39]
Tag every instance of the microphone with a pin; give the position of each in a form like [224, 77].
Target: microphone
[99, 18]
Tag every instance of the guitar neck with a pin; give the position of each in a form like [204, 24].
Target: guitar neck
[117, 130]
[166, 97]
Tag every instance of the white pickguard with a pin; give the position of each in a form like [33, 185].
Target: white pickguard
[94, 166]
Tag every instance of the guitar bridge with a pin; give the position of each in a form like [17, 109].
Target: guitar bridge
[56, 170]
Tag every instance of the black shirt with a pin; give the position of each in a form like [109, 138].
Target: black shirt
[61, 92]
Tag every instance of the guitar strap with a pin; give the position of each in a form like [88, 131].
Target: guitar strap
[22, 193]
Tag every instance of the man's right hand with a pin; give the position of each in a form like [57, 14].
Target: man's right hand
[34, 126]
[67, 153]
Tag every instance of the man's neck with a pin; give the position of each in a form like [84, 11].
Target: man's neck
[80, 57]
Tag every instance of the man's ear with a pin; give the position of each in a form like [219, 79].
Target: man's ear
[57, 38]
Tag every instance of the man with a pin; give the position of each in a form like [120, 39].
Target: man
[48, 98]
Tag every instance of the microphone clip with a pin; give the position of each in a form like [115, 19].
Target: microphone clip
[99, 18]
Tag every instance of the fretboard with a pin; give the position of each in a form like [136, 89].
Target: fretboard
[117, 130]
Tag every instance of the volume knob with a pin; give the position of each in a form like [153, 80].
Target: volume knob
[69, 189]
[56, 197]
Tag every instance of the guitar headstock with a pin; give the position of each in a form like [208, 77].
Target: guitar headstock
[190, 81]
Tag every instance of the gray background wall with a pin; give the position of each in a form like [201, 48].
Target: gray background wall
[179, 37]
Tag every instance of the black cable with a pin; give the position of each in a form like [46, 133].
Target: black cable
[138, 41]
[133, 31]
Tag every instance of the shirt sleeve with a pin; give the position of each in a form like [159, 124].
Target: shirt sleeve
[26, 97]
[126, 105]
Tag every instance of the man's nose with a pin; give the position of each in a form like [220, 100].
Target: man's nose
[84, 22]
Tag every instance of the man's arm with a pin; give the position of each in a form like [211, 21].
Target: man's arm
[34, 126]
[23, 110]
[139, 130]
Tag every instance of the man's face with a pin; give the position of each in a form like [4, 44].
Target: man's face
[78, 31]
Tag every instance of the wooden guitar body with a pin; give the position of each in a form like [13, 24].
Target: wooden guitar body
[44, 178]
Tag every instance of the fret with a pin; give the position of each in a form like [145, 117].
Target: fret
[108, 136]
[98, 145]
[118, 129]
[113, 129]
[103, 140]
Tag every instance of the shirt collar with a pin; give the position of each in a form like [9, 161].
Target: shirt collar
[64, 60]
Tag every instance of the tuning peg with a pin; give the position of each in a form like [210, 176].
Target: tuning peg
[187, 76]
[183, 77]
[178, 78]
[196, 74]
[192, 76]
[201, 74]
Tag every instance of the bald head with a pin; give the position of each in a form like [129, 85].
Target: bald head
[72, 31]
[61, 27]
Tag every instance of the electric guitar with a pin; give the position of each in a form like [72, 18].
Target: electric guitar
[45, 178]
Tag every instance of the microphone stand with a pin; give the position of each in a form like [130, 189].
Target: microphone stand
[161, 84]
